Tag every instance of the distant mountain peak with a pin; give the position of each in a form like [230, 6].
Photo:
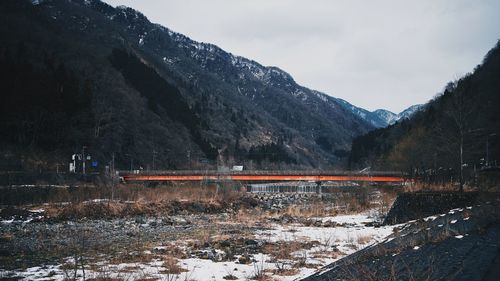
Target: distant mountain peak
[381, 117]
[388, 116]
[407, 113]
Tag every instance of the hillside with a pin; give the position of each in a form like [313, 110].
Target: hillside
[84, 75]
[465, 117]
[457, 244]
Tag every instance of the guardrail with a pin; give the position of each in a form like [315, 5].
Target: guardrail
[260, 172]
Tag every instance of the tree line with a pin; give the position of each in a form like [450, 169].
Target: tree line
[456, 133]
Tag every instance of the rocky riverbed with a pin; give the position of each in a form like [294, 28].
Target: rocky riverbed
[283, 236]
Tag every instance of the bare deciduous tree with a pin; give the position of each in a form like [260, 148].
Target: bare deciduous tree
[460, 112]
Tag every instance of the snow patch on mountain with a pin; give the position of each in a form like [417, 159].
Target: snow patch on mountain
[386, 115]
[407, 113]
[212, 58]
[380, 118]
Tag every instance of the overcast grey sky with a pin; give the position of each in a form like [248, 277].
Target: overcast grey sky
[374, 54]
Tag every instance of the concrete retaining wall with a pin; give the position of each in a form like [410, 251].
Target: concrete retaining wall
[411, 206]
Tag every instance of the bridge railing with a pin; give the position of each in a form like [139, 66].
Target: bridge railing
[261, 172]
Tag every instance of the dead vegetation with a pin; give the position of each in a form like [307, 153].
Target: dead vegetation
[445, 187]
[221, 224]
[22, 195]
[185, 198]
[333, 253]
[363, 239]
[133, 200]
[172, 266]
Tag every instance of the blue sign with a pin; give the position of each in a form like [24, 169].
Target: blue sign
[94, 164]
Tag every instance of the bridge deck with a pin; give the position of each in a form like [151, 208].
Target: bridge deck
[261, 176]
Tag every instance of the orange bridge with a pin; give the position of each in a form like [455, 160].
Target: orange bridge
[295, 175]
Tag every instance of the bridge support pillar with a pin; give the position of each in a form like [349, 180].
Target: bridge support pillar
[319, 187]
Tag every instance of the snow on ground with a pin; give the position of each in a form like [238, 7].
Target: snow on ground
[351, 230]
[200, 269]
[349, 235]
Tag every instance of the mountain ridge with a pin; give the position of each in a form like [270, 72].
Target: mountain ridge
[451, 137]
[263, 73]
[380, 118]
[234, 109]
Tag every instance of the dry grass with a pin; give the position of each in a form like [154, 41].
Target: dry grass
[285, 250]
[104, 279]
[172, 251]
[132, 257]
[96, 210]
[284, 272]
[419, 186]
[226, 193]
[353, 201]
[250, 216]
[141, 200]
[333, 254]
[6, 237]
[166, 193]
[141, 193]
[165, 201]
[386, 202]
[363, 239]
[202, 237]
[316, 209]
[172, 266]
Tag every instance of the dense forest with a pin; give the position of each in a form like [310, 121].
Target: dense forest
[82, 77]
[458, 131]
[43, 104]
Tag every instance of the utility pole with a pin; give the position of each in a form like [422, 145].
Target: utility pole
[131, 161]
[83, 159]
[154, 155]
[113, 164]
[488, 149]
[113, 176]
[461, 163]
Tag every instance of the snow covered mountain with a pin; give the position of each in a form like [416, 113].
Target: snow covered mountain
[388, 117]
[407, 113]
[380, 118]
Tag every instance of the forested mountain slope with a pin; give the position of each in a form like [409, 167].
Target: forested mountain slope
[466, 116]
[81, 74]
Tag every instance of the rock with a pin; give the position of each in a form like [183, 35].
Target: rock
[287, 218]
[329, 223]
[251, 242]
[211, 254]
[317, 223]
[160, 250]
[218, 256]
[179, 221]
[244, 259]
[225, 243]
